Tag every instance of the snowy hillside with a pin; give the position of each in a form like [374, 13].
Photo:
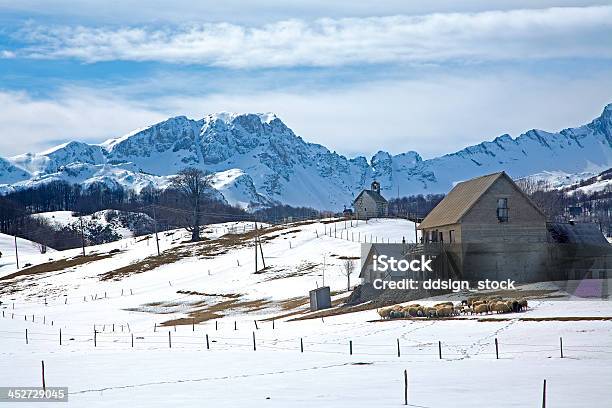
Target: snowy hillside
[195, 324]
[29, 253]
[258, 160]
[596, 183]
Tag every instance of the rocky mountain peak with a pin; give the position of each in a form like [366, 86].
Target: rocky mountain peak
[259, 159]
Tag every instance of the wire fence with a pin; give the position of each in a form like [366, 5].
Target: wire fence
[168, 338]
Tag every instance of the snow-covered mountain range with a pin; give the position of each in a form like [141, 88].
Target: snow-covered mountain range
[257, 160]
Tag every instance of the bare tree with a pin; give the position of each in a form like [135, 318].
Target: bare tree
[192, 183]
[347, 269]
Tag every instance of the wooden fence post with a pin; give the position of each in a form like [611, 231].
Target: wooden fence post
[26, 336]
[207, 343]
[301, 345]
[544, 395]
[398, 348]
[496, 349]
[43, 375]
[405, 387]
[216, 326]
[95, 338]
[192, 325]
[561, 345]
[254, 345]
[235, 327]
[440, 349]
[351, 347]
[255, 321]
[272, 324]
[60, 336]
[132, 339]
[169, 340]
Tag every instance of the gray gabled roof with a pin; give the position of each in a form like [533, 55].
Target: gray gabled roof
[374, 195]
[576, 233]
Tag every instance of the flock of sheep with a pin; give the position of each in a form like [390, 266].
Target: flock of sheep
[473, 305]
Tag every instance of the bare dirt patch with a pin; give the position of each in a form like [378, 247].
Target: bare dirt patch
[336, 311]
[302, 269]
[58, 265]
[293, 303]
[193, 292]
[218, 310]
[147, 264]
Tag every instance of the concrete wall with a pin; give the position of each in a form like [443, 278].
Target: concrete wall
[525, 262]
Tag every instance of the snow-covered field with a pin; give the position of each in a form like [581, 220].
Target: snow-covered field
[196, 281]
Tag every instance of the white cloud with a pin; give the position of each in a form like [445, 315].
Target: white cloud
[6, 54]
[28, 124]
[432, 115]
[570, 32]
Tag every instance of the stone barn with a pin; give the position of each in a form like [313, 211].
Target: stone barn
[488, 228]
[370, 203]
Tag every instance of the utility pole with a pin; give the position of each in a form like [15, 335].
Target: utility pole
[82, 235]
[263, 261]
[16, 252]
[416, 219]
[323, 271]
[255, 246]
[156, 237]
[258, 243]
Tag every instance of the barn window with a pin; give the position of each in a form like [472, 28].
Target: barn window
[451, 236]
[502, 209]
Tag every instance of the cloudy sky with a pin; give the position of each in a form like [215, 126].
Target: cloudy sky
[431, 76]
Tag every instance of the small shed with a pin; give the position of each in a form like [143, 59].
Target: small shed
[320, 298]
